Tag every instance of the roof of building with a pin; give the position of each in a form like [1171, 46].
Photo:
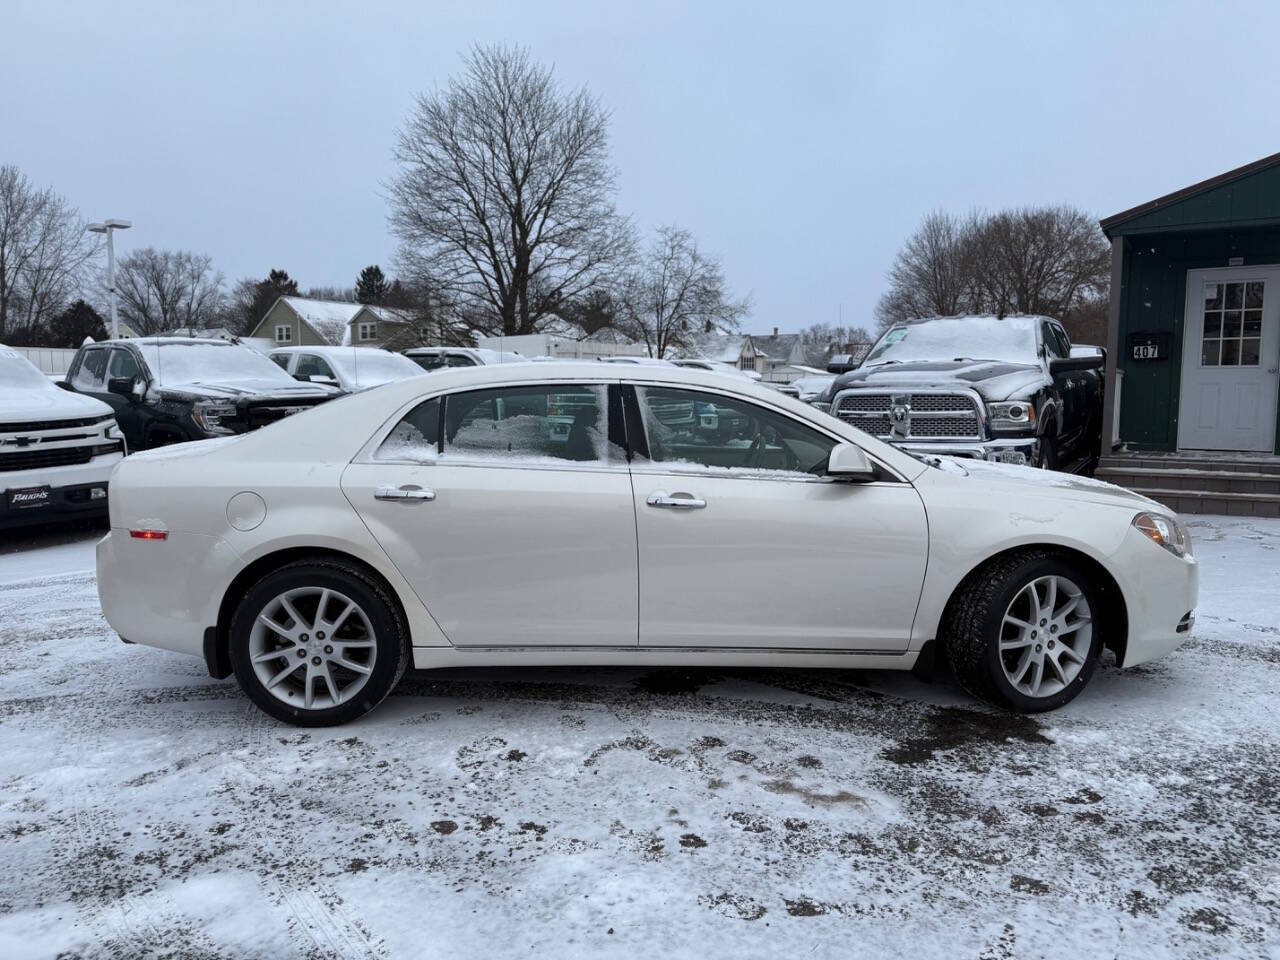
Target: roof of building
[1206, 203]
[776, 347]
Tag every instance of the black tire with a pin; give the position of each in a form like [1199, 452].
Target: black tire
[391, 636]
[971, 628]
[1048, 451]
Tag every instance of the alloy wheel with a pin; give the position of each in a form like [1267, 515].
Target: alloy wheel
[1045, 636]
[312, 647]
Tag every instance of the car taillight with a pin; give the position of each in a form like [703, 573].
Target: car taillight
[149, 534]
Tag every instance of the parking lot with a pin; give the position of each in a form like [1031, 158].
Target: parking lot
[148, 810]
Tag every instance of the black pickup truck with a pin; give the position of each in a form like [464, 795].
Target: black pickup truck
[172, 389]
[1010, 389]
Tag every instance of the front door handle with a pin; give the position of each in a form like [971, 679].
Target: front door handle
[408, 493]
[677, 501]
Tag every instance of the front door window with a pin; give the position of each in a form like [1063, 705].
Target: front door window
[1232, 324]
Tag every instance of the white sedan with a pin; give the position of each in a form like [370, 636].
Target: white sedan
[574, 513]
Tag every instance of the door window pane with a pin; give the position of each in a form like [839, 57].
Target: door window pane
[416, 437]
[1232, 325]
[547, 423]
[92, 368]
[715, 432]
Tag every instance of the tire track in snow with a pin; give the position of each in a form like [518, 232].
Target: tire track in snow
[315, 910]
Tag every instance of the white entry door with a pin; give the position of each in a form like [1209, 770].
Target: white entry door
[1231, 351]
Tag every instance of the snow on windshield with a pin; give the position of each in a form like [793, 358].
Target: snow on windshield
[1011, 339]
[17, 371]
[368, 368]
[175, 363]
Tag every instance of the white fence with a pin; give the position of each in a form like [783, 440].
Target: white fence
[48, 359]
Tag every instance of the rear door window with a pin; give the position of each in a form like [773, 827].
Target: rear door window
[91, 372]
[546, 423]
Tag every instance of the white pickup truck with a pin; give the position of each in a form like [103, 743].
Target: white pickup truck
[57, 448]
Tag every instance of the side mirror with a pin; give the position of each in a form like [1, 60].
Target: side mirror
[1096, 353]
[1061, 365]
[121, 387]
[304, 377]
[62, 384]
[848, 462]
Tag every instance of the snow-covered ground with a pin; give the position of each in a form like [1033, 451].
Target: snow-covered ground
[146, 810]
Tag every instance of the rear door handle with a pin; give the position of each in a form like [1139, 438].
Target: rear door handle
[404, 493]
[678, 501]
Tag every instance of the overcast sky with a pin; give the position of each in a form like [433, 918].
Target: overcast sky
[799, 142]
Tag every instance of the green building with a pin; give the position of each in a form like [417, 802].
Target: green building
[1193, 345]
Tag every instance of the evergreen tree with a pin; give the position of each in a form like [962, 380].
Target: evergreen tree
[72, 325]
[371, 285]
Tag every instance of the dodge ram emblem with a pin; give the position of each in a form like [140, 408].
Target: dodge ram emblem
[900, 417]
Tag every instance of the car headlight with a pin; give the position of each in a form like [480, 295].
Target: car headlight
[1012, 415]
[112, 431]
[1166, 531]
[209, 414]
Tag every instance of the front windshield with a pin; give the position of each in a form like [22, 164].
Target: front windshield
[368, 368]
[17, 371]
[1012, 339]
[175, 363]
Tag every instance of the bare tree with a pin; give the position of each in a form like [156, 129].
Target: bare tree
[504, 200]
[1040, 260]
[674, 293]
[932, 275]
[168, 290]
[44, 251]
[1035, 260]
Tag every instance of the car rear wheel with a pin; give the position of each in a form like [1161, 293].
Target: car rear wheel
[1020, 632]
[318, 643]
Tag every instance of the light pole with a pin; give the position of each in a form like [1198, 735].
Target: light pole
[108, 227]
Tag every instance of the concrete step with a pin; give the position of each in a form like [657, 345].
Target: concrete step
[1227, 461]
[1211, 501]
[1202, 479]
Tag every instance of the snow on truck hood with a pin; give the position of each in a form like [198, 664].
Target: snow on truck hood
[19, 403]
[994, 379]
[251, 388]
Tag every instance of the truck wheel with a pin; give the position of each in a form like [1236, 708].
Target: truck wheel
[1019, 631]
[1048, 453]
[318, 643]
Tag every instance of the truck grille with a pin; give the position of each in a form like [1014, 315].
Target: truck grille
[260, 416]
[924, 416]
[39, 459]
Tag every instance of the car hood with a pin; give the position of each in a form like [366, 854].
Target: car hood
[249, 389]
[1012, 482]
[24, 403]
[993, 379]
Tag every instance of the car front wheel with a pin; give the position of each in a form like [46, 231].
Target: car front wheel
[318, 643]
[1020, 632]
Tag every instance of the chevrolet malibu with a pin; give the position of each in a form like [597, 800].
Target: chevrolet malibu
[559, 514]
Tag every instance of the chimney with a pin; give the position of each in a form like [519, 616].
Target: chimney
[775, 331]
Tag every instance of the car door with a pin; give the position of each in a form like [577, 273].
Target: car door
[131, 415]
[510, 512]
[745, 543]
[1070, 387]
